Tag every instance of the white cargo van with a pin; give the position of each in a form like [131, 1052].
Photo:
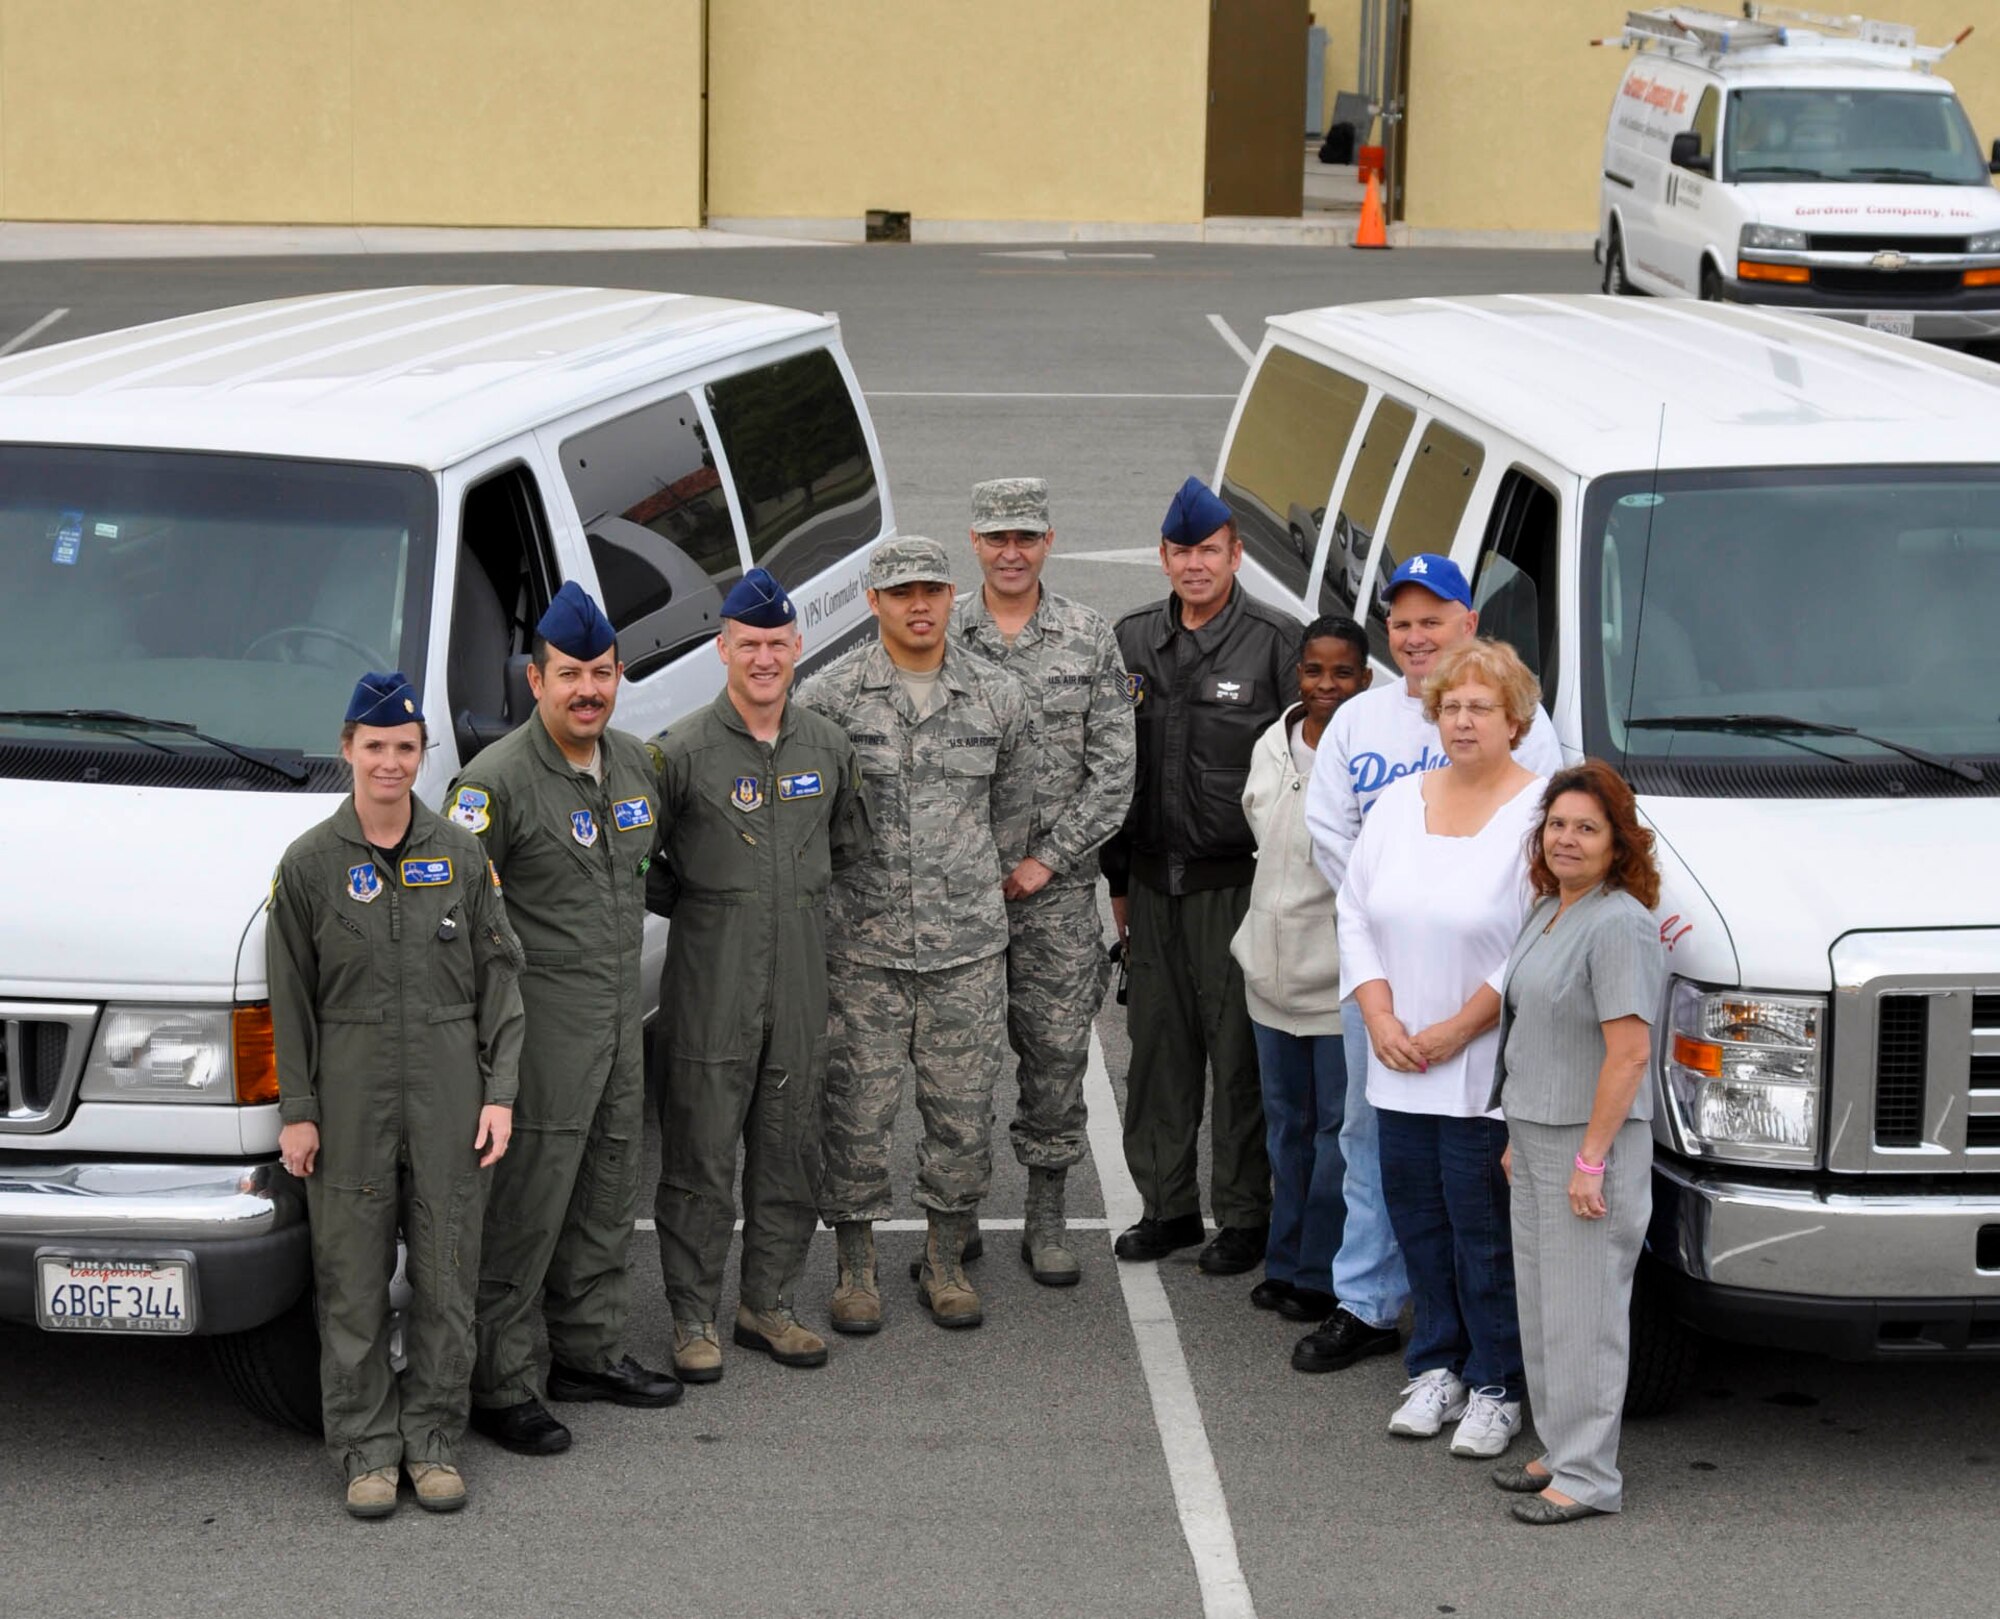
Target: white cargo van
[208, 529]
[1755, 560]
[1820, 167]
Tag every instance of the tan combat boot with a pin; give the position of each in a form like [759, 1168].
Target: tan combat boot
[778, 1333]
[942, 1287]
[372, 1494]
[697, 1352]
[439, 1486]
[857, 1301]
[1043, 1249]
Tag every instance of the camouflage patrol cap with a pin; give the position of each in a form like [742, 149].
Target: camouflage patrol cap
[1004, 505]
[908, 559]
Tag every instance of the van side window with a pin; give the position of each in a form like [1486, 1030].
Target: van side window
[800, 462]
[1706, 113]
[1428, 509]
[657, 519]
[1284, 457]
[1354, 524]
[1514, 586]
[501, 589]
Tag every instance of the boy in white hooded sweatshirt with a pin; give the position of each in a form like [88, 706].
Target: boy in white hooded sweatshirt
[1291, 982]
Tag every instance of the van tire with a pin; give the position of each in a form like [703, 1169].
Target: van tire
[1617, 284]
[273, 1370]
[1711, 282]
[1666, 1353]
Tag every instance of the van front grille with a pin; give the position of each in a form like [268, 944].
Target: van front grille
[42, 1048]
[1892, 286]
[1902, 1042]
[1826, 242]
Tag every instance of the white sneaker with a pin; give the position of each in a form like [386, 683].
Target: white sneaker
[1430, 1401]
[1491, 1421]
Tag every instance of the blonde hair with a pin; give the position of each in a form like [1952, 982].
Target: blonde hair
[1491, 663]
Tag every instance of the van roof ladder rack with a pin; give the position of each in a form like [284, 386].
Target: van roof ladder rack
[1778, 34]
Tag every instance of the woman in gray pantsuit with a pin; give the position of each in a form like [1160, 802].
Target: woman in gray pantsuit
[1580, 993]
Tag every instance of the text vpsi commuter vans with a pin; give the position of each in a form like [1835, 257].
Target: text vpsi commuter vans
[208, 529]
[1820, 167]
[1755, 561]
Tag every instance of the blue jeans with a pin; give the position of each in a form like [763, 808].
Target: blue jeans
[1450, 1205]
[1368, 1274]
[1305, 1087]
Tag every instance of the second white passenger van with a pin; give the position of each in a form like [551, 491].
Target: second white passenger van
[1755, 561]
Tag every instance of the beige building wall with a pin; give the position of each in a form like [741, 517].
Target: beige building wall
[1508, 105]
[443, 112]
[1059, 110]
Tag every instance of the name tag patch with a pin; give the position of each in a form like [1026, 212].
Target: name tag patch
[806, 784]
[426, 873]
[363, 884]
[583, 827]
[630, 813]
[1230, 691]
[471, 808]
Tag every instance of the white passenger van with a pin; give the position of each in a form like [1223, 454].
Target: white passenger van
[1819, 167]
[1755, 561]
[208, 529]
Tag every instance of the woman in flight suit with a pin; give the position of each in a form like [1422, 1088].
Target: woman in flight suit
[398, 1024]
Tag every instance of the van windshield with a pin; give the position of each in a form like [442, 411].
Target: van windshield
[1858, 597]
[1875, 137]
[240, 595]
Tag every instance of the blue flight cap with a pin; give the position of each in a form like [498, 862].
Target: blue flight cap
[1439, 575]
[1197, 512]
[759, 601]
[384, 699]
[576, 625]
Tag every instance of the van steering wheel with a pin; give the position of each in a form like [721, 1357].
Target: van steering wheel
[372, 658]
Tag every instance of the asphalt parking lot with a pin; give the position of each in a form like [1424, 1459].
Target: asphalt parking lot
[1116, 1449]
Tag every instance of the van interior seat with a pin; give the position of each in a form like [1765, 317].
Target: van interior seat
[482, 637]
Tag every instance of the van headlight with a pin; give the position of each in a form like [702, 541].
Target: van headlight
[1743, 1072]
[1989, 243]
[1772, 239]
[161, 1054]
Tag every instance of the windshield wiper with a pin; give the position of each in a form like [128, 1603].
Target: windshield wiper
[298, 775]
[1921, 176]
[1779, 724]
[1745, 170]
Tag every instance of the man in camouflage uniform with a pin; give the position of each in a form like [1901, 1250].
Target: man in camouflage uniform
[917, 934]
[566, 807]
[1057, 970]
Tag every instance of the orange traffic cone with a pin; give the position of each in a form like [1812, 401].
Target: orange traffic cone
[1371, 232]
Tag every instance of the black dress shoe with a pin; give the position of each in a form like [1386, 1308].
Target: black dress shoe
[1341, 1340]
[1235, 1249]
[627, 1383]
[1270, 1295]
[1307, 1304]
[1155, 1239]
[526, 1429]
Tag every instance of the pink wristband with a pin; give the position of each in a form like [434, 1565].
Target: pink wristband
[1588, 1169]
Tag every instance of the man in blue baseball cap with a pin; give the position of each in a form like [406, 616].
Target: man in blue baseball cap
[1374, 739]
[1211, 668]
[568, 809]
[760, 804]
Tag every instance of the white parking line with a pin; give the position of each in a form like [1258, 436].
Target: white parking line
[1204, 1512]
[21, 338]
[985, 1224]
[892, 393]
[1231, 338]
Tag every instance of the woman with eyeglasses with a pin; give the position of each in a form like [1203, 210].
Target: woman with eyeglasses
[1430, 906]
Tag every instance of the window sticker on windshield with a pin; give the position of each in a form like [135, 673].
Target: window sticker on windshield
[105, 531]
[1642, 500]
[69, 538]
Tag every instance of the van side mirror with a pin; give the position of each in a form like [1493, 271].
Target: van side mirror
[1994, 164]
[1686, 153]
[520, 700]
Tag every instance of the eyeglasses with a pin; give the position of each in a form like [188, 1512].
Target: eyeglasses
[1479, 711]
[1010, 540]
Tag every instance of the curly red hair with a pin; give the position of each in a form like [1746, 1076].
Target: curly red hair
[1632, 865]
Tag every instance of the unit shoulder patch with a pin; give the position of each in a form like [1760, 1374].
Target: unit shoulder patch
[748, 793]
[363, 884]
[471, 808]
[583, 827]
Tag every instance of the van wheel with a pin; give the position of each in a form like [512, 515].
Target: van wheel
[1666, 1353]
[274, 1369]
[1616, 283]
[1711, 283]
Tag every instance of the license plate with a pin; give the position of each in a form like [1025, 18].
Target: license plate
[79, 1293]
[1894, 325]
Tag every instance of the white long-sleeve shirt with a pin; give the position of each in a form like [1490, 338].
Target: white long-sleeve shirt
[1435, 917]
[1376, 738]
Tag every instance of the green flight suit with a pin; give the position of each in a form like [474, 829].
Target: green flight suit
[397, 1017]
[573, 853]
[750, 835]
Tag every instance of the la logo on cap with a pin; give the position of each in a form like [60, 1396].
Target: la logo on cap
[1419, 565]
